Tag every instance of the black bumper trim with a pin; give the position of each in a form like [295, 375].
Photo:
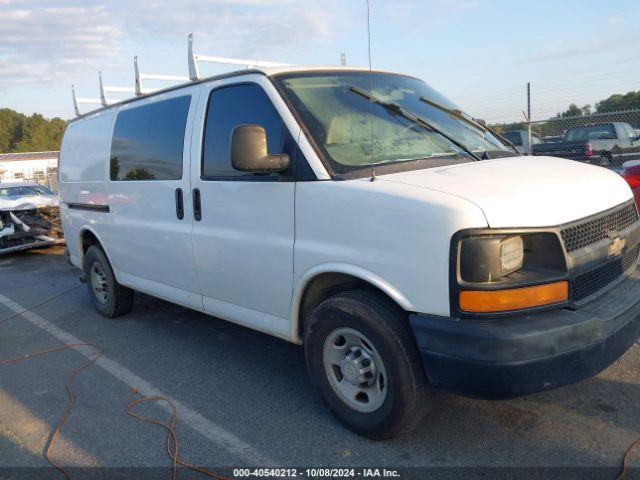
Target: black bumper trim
[508, 357]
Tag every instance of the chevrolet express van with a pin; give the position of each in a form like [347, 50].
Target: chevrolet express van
[363, 215]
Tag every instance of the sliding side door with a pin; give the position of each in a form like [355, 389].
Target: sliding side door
[149, 184]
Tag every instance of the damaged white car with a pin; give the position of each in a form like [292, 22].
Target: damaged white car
[29, 217]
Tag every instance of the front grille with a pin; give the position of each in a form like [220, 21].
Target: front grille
[587, 284]
[597, 229]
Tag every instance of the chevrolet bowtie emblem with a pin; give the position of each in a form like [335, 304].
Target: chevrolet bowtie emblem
[617, 246]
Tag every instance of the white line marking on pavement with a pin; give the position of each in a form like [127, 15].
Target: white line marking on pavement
[196, 421]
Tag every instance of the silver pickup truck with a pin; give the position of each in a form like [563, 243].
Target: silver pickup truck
[613, 142]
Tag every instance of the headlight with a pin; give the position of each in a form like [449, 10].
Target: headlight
[511, 255]
[503, 271]
[489, 258]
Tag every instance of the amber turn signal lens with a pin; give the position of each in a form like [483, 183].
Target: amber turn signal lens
[487, 301]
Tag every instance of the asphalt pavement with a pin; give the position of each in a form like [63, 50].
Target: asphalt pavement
[244, 400]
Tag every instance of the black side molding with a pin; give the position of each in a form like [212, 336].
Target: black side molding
[89, 206]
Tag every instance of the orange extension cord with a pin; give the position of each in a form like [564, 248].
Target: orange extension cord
[172, 438]
[625, 460]
[72, 397]
[173, 445]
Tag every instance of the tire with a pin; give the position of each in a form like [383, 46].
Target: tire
[109, 297]
[399, 396]
[609, 158]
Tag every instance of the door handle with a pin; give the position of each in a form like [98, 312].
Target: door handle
[197, 207]
[179, 204]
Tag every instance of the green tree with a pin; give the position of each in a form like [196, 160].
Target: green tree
[11, 128]
[628, 101]
[114, 168]
[6, 129]
[572, 111]
[19, 133]
[139, 174]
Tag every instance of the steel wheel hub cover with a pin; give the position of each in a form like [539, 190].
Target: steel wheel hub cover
[99, 283]
[355, 369]
[358, 367]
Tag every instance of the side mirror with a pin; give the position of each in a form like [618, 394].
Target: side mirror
[249, 151]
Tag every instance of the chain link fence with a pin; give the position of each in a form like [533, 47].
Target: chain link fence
[607, 139]
[591, 117]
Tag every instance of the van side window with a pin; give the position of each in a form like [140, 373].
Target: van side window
[148, 141]
[244, 104]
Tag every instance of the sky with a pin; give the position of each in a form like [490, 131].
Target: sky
[479, 53]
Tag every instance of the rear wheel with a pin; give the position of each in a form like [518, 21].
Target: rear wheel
[109, 297]
[362, 358]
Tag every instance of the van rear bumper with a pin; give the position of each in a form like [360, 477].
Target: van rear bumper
[509, 357]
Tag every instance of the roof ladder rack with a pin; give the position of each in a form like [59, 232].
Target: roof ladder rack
[78, 100]
[104, 90]
[194, 58]
[140, 90]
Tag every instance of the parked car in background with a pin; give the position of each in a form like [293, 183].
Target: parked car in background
[613, 142]
[26, 196]
[631, 173]
[520, 139]
[552, 138]
[29, 217]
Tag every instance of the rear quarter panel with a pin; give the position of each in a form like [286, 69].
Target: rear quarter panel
[84, 160]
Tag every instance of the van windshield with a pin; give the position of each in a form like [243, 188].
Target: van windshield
[342, 122]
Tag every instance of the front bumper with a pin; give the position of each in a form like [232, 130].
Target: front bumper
[508, 357]
[29, 228]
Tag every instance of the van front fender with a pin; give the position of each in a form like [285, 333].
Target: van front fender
[341, 268]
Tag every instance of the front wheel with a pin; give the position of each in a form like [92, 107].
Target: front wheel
[362, 358]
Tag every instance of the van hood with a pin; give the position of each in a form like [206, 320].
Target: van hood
[525, 191]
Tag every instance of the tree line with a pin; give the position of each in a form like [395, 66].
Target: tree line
[34, 133]
[617, 102]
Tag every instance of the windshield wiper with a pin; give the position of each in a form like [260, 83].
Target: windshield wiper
[399, 110]
[491, 154]
[461, 116]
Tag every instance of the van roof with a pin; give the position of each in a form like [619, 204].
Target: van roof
[271, 71]
[267, 71]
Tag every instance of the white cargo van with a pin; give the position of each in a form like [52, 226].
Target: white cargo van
[362, 215]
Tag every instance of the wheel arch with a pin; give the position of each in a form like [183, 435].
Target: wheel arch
[89, 237]
[325, 280]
